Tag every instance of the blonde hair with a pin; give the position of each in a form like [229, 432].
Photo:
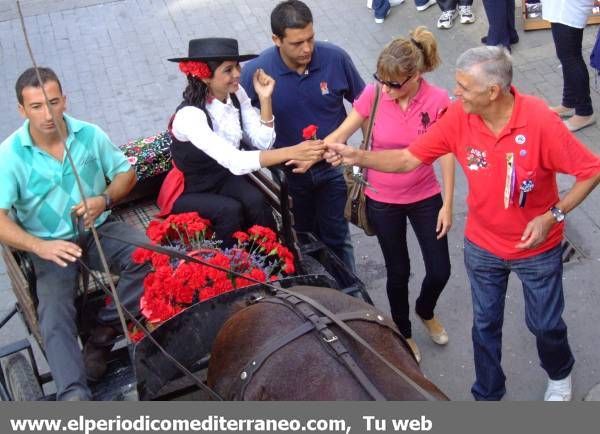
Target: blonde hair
[406, 57]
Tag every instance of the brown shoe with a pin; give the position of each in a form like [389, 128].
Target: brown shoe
[95, 360]
[562, 111]
[97, 350]
[436, 330]
[577, 122]
[413, 346]
[104, 335]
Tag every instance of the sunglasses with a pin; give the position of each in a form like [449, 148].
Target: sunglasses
[390, 84]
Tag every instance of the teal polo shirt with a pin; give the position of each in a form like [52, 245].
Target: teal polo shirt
[42, 189]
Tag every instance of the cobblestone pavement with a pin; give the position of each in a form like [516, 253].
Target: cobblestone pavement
[111, 57]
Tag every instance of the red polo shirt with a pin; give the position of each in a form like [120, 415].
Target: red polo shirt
[530, 150]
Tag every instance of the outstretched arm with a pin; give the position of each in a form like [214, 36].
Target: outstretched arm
[352, 123]
[309, 150]
[393, 160]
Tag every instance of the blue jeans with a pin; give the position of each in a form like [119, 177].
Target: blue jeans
[319, 197]
[501, 19]
[381, 8]
[389, 223]
[541, 277]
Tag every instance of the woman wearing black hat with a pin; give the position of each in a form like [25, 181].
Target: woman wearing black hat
[207, 129]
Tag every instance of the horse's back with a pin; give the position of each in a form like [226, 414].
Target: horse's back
[306, 368]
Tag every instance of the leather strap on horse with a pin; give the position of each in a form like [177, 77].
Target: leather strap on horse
[322, 309]
[326, 337]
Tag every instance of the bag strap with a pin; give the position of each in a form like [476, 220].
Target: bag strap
[368, 138]
[365, 145]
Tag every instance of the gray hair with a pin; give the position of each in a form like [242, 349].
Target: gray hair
[495, 65]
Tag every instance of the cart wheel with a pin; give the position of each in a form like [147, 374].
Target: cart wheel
[21, 381]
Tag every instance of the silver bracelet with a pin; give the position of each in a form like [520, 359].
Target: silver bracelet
[269, 121]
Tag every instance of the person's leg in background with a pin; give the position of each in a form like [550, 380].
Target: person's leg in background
[465, 11]
[381, 8]
[448, 15]
[501, 19]
[576, 99]
[423, 5]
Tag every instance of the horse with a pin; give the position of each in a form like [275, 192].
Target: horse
[251, 359]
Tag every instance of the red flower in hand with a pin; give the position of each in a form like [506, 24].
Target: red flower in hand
[310, 132]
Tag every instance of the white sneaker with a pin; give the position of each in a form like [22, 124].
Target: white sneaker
[446, 20]
[381, 20]
[466, 14]
[426, 5]
[558, 390]
[396, 2]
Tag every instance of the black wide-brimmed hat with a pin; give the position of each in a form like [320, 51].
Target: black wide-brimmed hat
[219, 49]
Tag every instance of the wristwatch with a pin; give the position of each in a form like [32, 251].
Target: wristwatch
[107, 200]
[558, 214]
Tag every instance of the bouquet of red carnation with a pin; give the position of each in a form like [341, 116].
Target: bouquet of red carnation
[174, 284]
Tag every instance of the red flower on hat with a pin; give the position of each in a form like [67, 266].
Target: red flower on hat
[195, 69]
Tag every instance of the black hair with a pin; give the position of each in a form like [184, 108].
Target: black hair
[290, 14]
[29, 79]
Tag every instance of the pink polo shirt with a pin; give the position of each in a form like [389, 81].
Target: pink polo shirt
[395, 128]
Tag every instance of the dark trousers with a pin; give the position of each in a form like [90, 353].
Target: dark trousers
[501, 19]
[235, 205]
[389, 222]
[55, 288]
[319, 197]
[576, 80]
[541, 277]
[448, 5]
[381, 8]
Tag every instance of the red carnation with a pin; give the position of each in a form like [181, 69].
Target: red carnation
[195, 69]
[310, 132]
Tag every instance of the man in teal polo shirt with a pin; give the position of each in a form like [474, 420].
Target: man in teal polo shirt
[39, 187]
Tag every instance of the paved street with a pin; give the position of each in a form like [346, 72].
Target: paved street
[111, 58]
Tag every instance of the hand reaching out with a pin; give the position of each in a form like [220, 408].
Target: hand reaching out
[339, 153]
[309, 150]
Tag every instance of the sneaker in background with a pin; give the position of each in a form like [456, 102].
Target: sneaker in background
[446, 20]
[559, 390]
[466, 14]
[426, 5]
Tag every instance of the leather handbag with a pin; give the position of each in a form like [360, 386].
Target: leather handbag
[355, 210]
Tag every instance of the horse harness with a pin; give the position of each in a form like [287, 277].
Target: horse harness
[320, 326]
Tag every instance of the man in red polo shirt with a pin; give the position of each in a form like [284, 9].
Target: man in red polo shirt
[510, 147]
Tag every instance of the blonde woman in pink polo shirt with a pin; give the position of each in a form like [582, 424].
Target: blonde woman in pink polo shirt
[407, 107]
